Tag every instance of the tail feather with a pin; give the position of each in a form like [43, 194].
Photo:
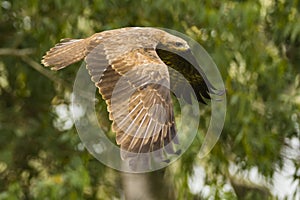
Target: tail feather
[66, 52]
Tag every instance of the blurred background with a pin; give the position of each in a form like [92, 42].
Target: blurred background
[256, 46]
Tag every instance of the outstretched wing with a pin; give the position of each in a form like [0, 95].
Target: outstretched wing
[135, 84]
[133, 81]
[186, 64]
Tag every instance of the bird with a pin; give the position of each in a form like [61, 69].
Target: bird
[129, 66]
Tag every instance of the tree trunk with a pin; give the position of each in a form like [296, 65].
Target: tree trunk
[146, 186]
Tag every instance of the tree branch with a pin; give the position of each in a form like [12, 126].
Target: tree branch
[16, 52]
[44, 71]
[23, 54]
[47, 73]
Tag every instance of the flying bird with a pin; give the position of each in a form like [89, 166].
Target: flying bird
[130, 68]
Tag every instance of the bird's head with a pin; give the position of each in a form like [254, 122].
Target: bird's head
[172, 43]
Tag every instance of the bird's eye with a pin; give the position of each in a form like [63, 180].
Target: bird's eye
[178, 44]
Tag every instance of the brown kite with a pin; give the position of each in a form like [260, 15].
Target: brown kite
[140, 57]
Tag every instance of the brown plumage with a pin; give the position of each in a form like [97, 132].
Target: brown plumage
[141, 106]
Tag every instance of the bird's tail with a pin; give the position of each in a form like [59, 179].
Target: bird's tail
[66, 52]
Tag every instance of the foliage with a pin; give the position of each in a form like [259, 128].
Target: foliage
[255, 44]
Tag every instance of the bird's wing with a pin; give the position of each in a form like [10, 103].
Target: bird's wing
[186, 64]
[135, 84]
